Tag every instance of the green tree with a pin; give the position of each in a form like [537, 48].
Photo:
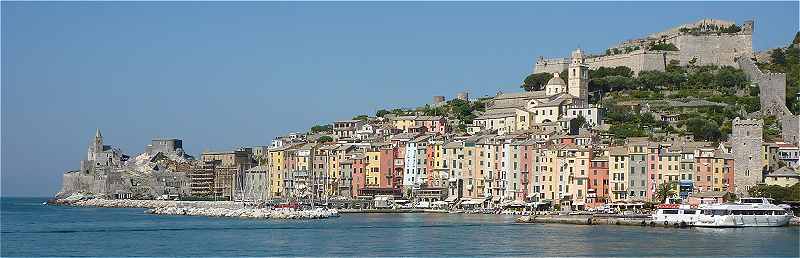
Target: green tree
[382, 112]
[731, 78]
[601, 72]
[730, 197]
[779, 193]
[324, 139]
[361, 117]
[664, 47]
[703, 129]
[796, 39]
[321, 128]
[665, 190]
[536, 81]
[730, 29]
[778, 57]
[580, 121]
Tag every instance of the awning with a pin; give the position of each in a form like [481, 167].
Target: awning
[471, 202]
[423, 205]
[517, 203]
[439, 203]
[451, 198]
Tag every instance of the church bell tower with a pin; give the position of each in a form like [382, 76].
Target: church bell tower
[578, 85]
[96, 146]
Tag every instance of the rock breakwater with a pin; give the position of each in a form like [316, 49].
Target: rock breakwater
[146, 204]
[200, 208]
[252, 213]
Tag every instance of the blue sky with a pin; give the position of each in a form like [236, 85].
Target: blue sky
[222, 75]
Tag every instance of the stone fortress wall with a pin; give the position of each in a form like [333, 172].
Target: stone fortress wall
[718, 49]
[772, 97]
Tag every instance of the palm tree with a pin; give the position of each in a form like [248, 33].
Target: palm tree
[665, 190]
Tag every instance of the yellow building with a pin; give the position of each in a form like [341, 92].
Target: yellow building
[470, 171]
[617, 172]
[403, 122]
[503, 121]
[277, 166]
[784, 176]
[438, 164]
[668, 169]
[551, 167]
[580, 178]
[373, 168]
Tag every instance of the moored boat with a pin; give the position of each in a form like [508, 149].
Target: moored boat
[676, 214]
[748, 212]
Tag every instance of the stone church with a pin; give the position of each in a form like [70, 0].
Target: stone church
[554, 106]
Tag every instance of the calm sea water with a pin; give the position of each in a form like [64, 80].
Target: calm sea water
[32, 229]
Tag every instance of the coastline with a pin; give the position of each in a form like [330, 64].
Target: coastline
[240, 210]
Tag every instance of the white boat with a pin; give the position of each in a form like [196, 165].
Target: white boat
[748, 212]
[676, 214]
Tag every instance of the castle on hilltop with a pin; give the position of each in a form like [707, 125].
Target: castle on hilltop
[704, 42]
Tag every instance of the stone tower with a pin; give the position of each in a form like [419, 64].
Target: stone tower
[746, 140]
[578, 84]
[95, 147]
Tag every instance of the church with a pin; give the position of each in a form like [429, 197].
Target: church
[552, 107]
[99, 155]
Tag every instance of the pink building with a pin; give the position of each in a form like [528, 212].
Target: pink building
[652, 173]
[359, 174]
[435, 124]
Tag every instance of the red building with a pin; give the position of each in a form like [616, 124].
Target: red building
[598, 182]
[388, 168]
[359, 174]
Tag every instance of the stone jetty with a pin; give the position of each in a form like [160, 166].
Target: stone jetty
[147, 204]
[199, 208]
[252, 213]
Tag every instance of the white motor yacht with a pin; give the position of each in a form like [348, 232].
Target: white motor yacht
[748, 212]
[676, 214]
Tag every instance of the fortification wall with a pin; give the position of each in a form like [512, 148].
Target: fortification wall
[719, 50]
[771, 87]
[714, 49]
[639, 60]
[790, 129]
[551, 65]
[772, 96]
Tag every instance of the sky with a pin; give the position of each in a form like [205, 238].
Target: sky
[225, 75]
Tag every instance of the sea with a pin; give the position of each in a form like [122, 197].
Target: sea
[30, 228]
